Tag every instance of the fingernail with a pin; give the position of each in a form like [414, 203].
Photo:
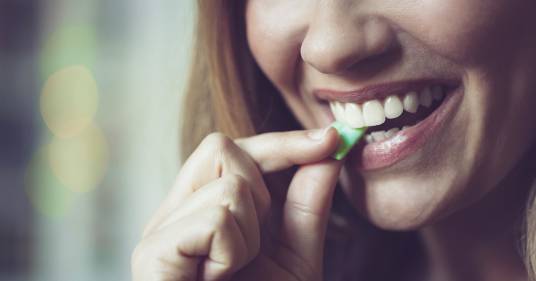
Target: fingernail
[318, 134]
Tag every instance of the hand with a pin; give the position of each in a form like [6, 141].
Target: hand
[209, 226]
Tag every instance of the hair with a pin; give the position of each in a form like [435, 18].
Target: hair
[228, 93]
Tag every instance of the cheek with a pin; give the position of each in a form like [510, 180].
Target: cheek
[274, 40]
[467, 31]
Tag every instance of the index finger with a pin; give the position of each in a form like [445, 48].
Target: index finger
[277, 151]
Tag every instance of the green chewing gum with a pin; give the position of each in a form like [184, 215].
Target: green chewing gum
[349, 137]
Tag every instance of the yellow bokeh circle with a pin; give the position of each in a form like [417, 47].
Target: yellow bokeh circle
[69, 101]
[79, 162]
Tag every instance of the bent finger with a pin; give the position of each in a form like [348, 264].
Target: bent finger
[210, 240]
[278, 151]
[232, 192]
[217, 156]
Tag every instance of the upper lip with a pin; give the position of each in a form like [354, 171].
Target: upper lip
[382, 90]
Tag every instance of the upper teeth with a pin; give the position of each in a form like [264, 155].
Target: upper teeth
[375, 112]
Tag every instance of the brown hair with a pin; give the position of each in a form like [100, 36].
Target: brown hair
[215, 97]
[226, 92]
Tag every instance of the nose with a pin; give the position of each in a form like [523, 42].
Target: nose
[338, 38]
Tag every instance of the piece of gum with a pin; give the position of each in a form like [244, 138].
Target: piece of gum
[348, 138]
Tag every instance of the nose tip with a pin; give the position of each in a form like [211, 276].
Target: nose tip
[332, 47]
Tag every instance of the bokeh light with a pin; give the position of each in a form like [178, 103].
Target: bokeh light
[79, 162]
[69, 100]
[97, 94]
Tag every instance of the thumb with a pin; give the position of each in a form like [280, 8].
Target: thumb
[306, 210]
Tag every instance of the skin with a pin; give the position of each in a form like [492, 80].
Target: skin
[462, 191]
[485, 45]
[209, 227]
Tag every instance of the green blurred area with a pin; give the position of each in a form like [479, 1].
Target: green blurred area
[89, 122]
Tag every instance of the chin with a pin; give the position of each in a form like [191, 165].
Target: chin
[397, 204]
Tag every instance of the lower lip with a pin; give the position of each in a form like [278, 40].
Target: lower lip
[386, 153]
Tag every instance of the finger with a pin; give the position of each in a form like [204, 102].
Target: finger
[218, 155]
[232, 192]
[278, 151]
[306, 210]
[215, 157]
[210, 240]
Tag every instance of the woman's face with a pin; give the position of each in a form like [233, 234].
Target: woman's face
[467, 68]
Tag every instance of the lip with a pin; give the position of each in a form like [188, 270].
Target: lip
[380, 155]
[380, 91]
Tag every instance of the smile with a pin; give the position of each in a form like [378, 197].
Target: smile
[401, 117]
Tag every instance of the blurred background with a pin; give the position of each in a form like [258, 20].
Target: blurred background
[90, 92]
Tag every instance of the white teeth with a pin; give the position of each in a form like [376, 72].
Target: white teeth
[411, 102]
[354, 115]
[381, 135]
[391, 132]
[393, 107]
[373, 113]
[425, 98]
[437, 92]
[338, 110]
[378, 136]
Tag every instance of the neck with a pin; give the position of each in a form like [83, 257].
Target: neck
[482, 242]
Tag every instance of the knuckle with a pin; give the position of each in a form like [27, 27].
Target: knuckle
[236, 180]
[218, 141]
[302, 209]
[236, 188]
[221, 217]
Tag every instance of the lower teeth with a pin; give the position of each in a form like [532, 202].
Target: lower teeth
[392, 127]
[382, 132]
[383, 135]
